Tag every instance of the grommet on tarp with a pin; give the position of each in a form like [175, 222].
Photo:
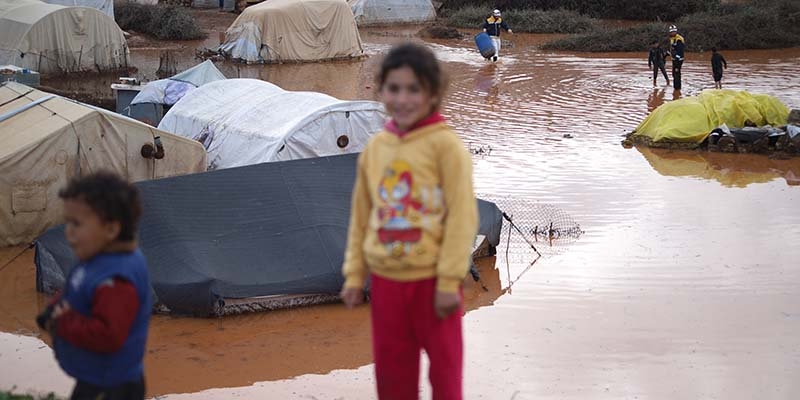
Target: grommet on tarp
[342, 141]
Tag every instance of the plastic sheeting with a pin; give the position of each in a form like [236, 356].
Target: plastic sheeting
[45, 140]
[104, 6]
[51, 38]
[169, 91]
[264, 230]
[379, 12]
[249, 121]
[293, 30]
[692, 119]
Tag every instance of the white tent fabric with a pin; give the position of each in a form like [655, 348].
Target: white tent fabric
[45, 140]
[105, 6]
[378, 12]
[248, 121]
[50, 38]
[169, 91]
[293, 30]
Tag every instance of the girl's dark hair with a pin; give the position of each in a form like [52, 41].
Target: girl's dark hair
[421, 60]
[110, 197]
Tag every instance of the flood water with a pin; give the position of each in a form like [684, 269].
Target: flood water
[685, 282]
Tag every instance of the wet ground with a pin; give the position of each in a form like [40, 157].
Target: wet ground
[685, 283]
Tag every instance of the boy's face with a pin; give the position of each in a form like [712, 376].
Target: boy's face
[86, 232]
[406, 100]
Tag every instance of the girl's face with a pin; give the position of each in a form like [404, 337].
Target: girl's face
[406, 100]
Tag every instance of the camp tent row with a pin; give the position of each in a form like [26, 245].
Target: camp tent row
[50, 38]
[45, 140]
[249, 121]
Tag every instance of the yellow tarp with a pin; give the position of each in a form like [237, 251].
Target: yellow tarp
[691, 119]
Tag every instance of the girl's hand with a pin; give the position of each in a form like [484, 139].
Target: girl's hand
[446, 304]
[352, 297]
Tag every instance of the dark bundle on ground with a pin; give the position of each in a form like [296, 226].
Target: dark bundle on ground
[761, 24]
[616, 9]
[439, 32]
[165, 22]
[526, 20]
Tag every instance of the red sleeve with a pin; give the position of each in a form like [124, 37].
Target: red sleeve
[114, 309]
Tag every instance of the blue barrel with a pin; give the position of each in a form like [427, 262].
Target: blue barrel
[485, 45]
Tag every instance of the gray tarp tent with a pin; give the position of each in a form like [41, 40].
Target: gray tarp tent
[215, 238]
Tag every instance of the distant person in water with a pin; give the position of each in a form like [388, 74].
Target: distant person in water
[717, 64]
[656, 60]
[492, 26]
[678, 45]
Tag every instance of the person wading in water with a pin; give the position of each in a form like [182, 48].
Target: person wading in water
[678, 45]
[493, 25]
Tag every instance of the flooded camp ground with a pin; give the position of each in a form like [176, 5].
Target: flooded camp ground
[684, 268]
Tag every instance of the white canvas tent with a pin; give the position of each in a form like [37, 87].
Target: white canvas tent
[45, 140]
[50, 38]
[293, 30]
[380, 12]
[169, 91]
[248, 121]
[105, 6]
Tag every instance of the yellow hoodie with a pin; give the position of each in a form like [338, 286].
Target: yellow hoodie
[414, 214]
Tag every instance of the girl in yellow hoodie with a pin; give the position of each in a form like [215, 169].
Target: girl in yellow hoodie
[414, 219]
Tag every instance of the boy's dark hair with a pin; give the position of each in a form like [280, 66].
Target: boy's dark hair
[421, 60]
[713, 49]
[654, 42]
[111, 197]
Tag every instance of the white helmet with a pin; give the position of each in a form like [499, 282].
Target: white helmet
[673, 28]
[496, 13]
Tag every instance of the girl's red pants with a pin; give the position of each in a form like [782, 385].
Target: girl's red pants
[404, 322]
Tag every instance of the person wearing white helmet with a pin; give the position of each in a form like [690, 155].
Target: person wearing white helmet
[493, 25]
[678, 45]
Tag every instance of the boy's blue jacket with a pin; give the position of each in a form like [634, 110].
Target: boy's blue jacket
[125, 365]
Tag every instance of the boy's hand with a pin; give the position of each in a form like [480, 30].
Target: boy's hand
[446, 304]
[352, 297]
[59, 309]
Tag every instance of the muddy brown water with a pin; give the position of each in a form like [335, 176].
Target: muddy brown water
[685, 283]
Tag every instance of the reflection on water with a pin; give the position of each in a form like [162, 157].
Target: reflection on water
[734, 171]
[677, 274]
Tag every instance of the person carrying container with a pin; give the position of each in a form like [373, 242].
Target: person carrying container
[656, 60]
[493, 25]
[678, 45]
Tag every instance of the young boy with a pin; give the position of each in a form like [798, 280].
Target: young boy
[656, 60]
[99, 323]
[717, 64]
[493, 25]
